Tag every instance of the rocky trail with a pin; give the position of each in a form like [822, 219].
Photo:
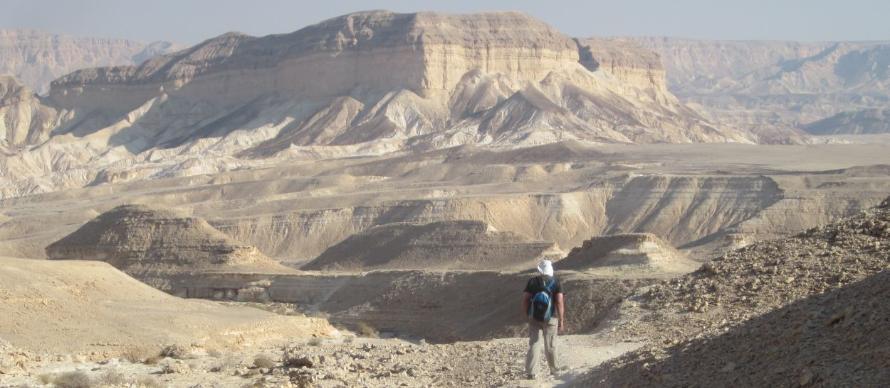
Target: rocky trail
[347, 361]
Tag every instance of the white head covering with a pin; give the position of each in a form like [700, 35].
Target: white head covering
[545, 267]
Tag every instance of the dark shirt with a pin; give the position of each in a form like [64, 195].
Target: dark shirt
[538, 283]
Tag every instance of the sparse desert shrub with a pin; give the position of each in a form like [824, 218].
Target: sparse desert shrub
[176, 352]
[148, 382]
[138, 354]
[113, 378]
[263, 361]
[171, 366]
[366, 330]
[290, 358]
[74, 379]
[153, 360]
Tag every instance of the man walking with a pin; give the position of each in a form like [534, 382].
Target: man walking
[543, 305]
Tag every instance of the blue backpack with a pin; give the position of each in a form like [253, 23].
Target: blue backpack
[540, 306]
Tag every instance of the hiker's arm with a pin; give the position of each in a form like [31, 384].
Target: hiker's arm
[560, 309]
[526, 297]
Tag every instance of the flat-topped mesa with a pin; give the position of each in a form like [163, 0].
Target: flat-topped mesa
[364, 52]
[382, 80]
[152, 244]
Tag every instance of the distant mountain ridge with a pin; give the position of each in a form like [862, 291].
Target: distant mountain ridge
[770, 87]
[36, 57]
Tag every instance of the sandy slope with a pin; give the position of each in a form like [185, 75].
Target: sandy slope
[74, 306]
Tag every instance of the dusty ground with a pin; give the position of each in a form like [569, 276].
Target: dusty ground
[91, 309]
[334, 363]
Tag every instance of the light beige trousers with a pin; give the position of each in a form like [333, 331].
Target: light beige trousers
[535, 338]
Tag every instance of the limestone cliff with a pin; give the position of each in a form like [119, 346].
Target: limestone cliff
[438, 79]
[626, 60]
[377, 51]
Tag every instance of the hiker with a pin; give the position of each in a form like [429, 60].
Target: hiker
[543, 306]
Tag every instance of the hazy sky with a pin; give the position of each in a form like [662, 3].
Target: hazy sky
[190, 21]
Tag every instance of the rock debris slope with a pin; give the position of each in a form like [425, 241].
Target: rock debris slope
[802, 311]
[439, 245]
[154, 244]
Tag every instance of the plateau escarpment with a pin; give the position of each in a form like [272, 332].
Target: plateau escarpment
[364, 83]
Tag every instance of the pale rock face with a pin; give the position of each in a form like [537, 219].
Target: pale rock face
[368, 52]
[624, 59]
[24, 119]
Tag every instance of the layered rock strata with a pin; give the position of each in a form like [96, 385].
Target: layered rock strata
[626, 253]
[439, 245]
[154, 245]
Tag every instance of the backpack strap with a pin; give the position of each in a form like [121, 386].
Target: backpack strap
[547, 285]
